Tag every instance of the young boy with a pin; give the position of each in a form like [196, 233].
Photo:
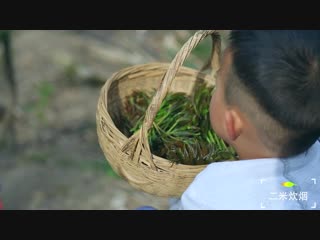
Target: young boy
[267, 106]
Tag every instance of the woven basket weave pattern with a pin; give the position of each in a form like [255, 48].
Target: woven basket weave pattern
[131, 157]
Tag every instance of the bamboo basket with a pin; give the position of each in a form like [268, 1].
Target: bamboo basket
[131, 157]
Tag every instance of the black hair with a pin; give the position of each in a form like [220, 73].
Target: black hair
[281, 70]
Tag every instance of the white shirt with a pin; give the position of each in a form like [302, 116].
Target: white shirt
[257, 184]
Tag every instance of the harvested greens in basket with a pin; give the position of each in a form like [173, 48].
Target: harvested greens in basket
[181, 130]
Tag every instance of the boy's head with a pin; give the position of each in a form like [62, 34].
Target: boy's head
[267, 97]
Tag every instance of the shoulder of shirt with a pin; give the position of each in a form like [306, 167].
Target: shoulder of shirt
[238, 184]
[228, 185]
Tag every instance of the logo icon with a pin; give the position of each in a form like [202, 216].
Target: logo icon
[288, 184]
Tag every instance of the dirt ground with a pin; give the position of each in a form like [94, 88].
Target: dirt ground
[56, 162]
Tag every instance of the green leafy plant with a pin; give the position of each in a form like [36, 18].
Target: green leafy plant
[181, 130]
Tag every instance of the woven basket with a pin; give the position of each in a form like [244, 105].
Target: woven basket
[131, 158]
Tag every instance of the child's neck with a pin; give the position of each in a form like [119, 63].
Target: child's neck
[255, 152]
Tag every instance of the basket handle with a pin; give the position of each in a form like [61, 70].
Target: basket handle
[139, 140]
[214, 60]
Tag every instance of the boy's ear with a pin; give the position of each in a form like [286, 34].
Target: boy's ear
[233, 124]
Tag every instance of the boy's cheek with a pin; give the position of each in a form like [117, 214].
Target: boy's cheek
[215, 123]
[214, 114]
[216, 119]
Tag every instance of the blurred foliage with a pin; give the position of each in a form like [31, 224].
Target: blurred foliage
[198, 56]
[4, 34]
[44, 93]
[70, 72]
[44, 157]
[76, 74]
